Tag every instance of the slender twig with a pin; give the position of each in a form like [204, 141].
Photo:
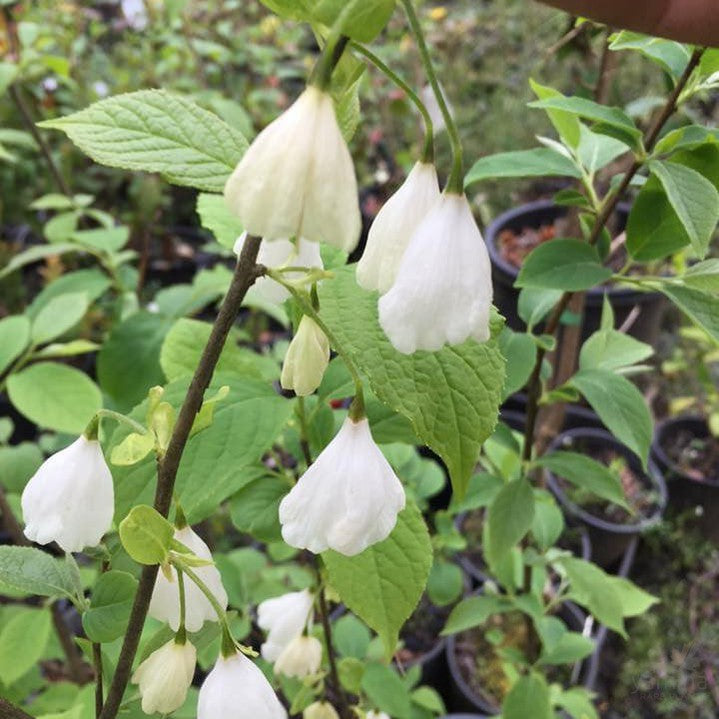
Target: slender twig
[245, 274]
[608, 208]
[97, 663]
[10, 711]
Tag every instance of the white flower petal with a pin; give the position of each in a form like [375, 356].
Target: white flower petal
[297, 178]
[394, 226]
[70, 499]
[347, 500]
[306, 360]
[165, 676]
[237, 689]
[284, 618]
[301, 658]
[443, 291]
[165, 601]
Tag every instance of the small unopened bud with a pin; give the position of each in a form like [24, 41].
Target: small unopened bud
[307, 359]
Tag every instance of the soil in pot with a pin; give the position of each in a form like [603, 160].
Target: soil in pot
[421, 631]
[696, 457]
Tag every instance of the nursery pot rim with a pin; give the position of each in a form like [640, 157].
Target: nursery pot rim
[595, 295]
[658, 450]
[653, 474]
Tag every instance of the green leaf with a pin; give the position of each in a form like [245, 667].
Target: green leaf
[535, 303]
[107, 240]
[255, 508]
[22, 643]
[386, 691]
[701, 307]
[565, 123]
[216, 217]
[183, 346]
[670, 55]
[129, 362]
[529, 697]
[111, 601]
[14, 338]
[92, 282]
[445, 583]
[611, 350]
[610, 120]
[474, 612]
[586, 473]
[564, 264]
[55, 396]
[31, 570]
[157, 131]
[146, 535]
[58, 316]
[694, 199]
[520, 351]
[8, 73]
[456, 412]
[548, 522]
[595, 590]
[34, 254]
[245, 425]
[17, 464]
[578, 703]
[539, 162]
[66, 349]
[571, 647]
[383, 584]
[597, 151]
[634, 601]
[134, 448]
[351, 637]
[702, 276]
[363, 22]
[510, 518]
[619, 405]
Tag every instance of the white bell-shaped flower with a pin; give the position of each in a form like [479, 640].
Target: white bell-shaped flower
[307, 358]
[377, 715]
[347, 500]
[320, 710]
[281, 253]
[443, 290]
[394, 226]
[283, 618]
[165, 601]
[301, 658]
[297, 178]
[237, 689]
[165, 676]
[70, 499]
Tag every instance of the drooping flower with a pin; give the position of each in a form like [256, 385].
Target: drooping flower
[347, 500]
[301, 658]
[70, 499]
[165, 602]
[284, 618]
[165, 676]
[443, 291]
[394, 226]
[307, 358]
[297, 178]
[281, 253]
[237, 689]
[320, 710]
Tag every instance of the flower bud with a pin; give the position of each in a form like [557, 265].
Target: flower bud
[301, 658]
[394, 226]
[70, 499]
[347, 500]
[165, 676]
[443, 290]
[281, 253]
[306, 360]
[237, 689]
[297, 178]
[320, 710]
[284, 618]
[165, 601]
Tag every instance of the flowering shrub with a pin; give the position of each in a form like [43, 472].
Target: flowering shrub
[325, 474]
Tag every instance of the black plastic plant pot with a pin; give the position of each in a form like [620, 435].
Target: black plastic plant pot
[651, 305]
[609, 539]
[462, 697]
[688, 494]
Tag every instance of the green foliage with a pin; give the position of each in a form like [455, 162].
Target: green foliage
[157, 131]
[383, 584]
[32, 571]
[14, 338]
[510, 518]
[146, 536]
[538, 162]
[22, 643]
[110, 604]
[456, 412]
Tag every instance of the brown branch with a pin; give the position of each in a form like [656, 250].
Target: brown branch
[10, 711]
[610, 205]
[245, 274]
